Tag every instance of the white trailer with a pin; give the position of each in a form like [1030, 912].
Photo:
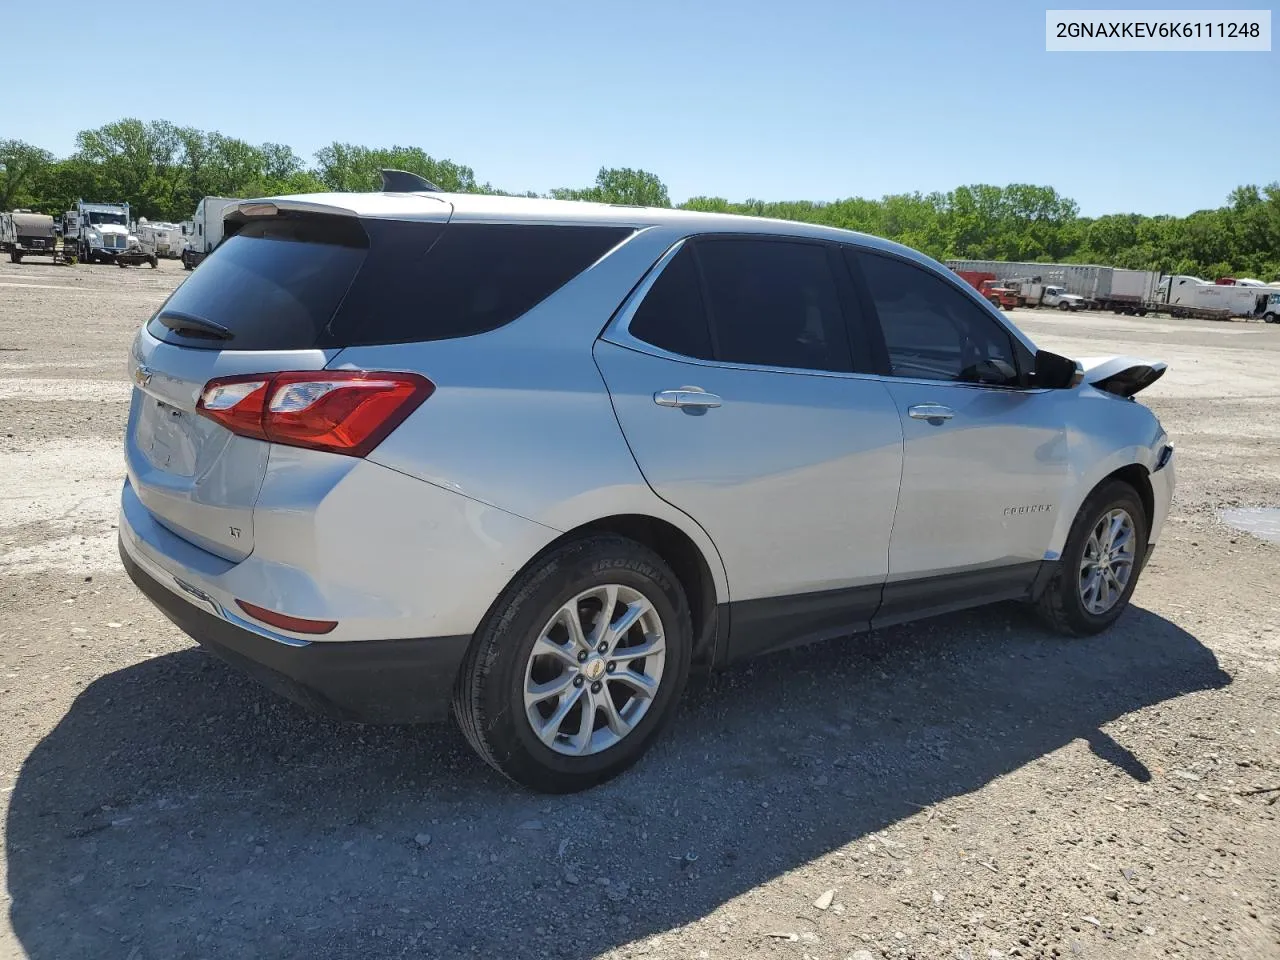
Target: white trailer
[207, 224]
[1230, 300]
[160, 238]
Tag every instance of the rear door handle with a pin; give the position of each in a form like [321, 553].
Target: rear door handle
[933, 412]
[686, 397]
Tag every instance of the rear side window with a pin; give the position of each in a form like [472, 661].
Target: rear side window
[298, 282]
[672, 315]
[272, 286]
[472, 278]
[933, 331]
[774, 303]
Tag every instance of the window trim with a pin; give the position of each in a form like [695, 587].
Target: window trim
[618, 331]
[1023, 353]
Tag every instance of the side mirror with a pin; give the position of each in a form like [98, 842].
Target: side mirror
[1056, 372]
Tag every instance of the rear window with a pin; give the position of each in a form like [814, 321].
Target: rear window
[473, 278]
[272, 286]
[300, 282]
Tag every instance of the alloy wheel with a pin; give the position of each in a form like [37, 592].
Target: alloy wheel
[594, 670]
[1108, 561]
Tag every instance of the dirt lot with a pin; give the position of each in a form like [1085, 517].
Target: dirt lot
[968, 787]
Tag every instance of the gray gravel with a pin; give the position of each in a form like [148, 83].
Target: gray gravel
[967, 787]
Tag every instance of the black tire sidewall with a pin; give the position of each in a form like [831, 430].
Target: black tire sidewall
[1108, 497]
[517, 750]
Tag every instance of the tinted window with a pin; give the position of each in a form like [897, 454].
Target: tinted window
[774, 303]
[274, 285]
[933, 331]
[475, 277]
[672, 315]
[299, 282]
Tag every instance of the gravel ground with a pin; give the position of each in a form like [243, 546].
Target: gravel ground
[967, 787]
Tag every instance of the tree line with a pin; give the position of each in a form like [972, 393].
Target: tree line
[163, 170]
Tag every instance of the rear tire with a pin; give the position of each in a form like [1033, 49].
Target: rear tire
[1065, 603]
[495, 700]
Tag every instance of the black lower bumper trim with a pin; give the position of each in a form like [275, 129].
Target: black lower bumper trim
[372, 681]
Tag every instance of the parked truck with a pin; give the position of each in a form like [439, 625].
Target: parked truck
[207, 225]
[1000, 297]
[1055, 296]
[1271, 310]
[1098, 287]
[160, 239]
[27, 234]
[98, 232]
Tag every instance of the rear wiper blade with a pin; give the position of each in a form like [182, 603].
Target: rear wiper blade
[189, 325]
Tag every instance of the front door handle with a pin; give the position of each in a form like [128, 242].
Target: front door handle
[935, 413]
[686, 397]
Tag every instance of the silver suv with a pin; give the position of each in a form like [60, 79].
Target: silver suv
[397, 451]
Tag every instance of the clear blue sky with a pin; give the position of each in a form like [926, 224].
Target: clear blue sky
[787, 99]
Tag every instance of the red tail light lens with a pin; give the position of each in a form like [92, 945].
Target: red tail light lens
[340, 411]
[286, 622]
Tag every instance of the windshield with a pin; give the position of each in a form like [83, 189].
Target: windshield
[100, 216]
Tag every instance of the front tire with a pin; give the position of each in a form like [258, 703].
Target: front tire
[1100, 563]
[1064, 306]
[559, 698]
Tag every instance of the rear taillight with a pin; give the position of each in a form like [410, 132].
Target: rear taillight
[341, 411]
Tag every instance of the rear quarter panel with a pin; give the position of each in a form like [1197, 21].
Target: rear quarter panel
[521, 418]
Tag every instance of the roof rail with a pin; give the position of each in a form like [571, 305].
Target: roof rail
[401, 181]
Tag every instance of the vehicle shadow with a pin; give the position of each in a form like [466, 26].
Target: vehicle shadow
[178, 810]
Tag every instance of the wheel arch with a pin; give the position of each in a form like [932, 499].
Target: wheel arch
[1133, 472]
[1137, 476]
[688, 561]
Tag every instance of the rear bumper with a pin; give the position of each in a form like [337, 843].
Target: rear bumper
[373, 681]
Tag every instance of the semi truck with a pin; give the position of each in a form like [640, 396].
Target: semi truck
[27, 234]
[98, 232]
[207, 227]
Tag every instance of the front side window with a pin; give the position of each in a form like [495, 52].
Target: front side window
[774, 303]
[933, 331]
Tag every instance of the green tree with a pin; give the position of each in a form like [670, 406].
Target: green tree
[347, 167]
[620, 185]
[21, 168]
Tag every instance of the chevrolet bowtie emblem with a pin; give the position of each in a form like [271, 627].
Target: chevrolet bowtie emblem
[142, 375]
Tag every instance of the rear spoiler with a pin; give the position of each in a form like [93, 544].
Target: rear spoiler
[1123, 376]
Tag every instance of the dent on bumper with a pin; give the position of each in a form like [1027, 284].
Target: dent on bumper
[374, 681]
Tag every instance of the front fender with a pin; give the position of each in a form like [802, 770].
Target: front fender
[1114, 434]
